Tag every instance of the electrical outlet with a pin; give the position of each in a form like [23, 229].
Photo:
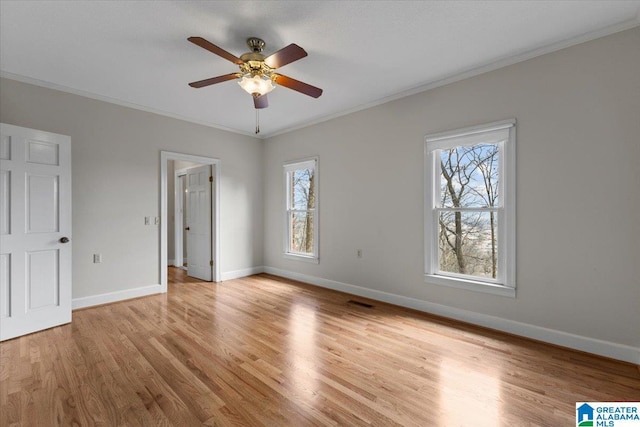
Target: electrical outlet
[147, 220]
[97, 258]
[359, 253]
[156, 220]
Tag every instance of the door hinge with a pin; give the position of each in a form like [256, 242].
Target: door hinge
[210, 179]
[211, 263]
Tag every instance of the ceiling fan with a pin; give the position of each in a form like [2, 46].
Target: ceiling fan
[257, 71]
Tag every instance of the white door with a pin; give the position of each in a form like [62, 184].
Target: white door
[35, 230]
[198, 226]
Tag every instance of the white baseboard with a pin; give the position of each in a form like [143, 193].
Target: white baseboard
[236, 274]
[84, 302]
[591, 345]
[110, 297]
[171, 262]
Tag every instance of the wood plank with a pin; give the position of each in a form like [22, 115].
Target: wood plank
[264, 351]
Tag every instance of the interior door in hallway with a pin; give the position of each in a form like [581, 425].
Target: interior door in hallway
[199, 220]
[35, 230]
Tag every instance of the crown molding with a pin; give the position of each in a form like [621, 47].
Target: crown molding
[91, 95]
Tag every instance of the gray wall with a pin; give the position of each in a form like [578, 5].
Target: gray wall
[578, 189]
[116, 175]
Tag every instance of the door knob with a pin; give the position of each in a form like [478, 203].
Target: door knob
[187, 228]
[64, 240]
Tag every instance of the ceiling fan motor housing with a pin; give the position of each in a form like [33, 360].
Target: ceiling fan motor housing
[255, 66]
[253, 62]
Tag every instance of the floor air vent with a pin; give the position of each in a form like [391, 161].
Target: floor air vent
[360, 303]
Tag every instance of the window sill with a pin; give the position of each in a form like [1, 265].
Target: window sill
[304, 258]
[470, 285]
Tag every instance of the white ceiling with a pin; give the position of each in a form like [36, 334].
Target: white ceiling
[361, 53]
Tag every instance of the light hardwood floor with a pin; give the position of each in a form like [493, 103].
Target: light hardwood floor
[265, 351]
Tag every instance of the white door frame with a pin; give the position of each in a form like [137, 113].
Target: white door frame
[165, 156]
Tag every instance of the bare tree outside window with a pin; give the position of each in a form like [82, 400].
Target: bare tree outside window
[467, 212]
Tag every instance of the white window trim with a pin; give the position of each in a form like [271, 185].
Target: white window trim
[311, 162]
[505, 284]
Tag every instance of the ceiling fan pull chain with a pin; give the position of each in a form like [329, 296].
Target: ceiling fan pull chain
[257, 121]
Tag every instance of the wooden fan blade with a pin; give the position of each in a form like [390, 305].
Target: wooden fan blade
[297, 85]
[260, 101]
[285, 56]
[205, 44]
[213, 80]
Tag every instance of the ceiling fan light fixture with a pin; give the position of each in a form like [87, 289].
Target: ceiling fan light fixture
[256, 85]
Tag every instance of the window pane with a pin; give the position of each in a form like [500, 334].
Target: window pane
[301, 232]
[302, 195]
[469, 176]
[468, 243]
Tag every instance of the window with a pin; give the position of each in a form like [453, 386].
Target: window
[470, 208]
[301, 232]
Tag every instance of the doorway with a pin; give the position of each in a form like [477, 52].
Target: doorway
[165, 158]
